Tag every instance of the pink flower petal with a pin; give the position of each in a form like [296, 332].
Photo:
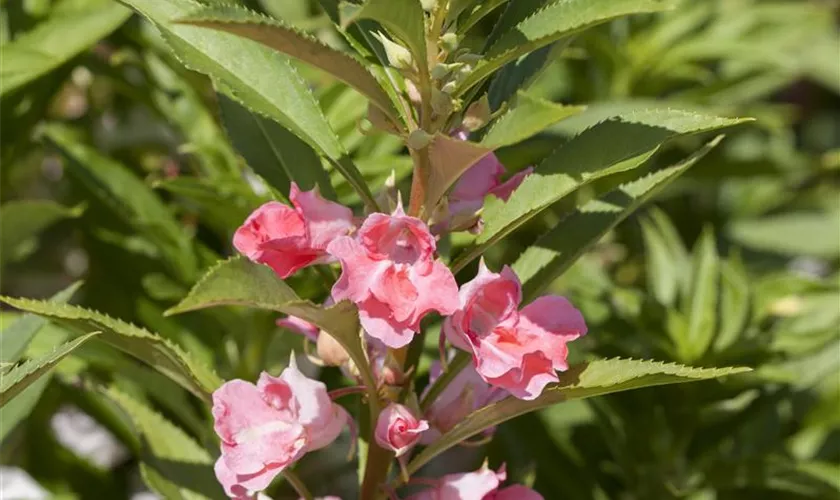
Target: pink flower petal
[325, 220]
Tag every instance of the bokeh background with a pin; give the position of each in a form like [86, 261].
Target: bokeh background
[117, 169]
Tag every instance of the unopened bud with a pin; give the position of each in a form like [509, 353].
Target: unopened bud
[469, 58]
[398, 56]
[449, 87]
[419, 139]
[449, 42]
[330, 351]
[441, 103]
[441, 70]
[477, 115]
[428, 5]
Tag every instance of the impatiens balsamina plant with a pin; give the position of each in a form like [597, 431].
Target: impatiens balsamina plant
[409, 263]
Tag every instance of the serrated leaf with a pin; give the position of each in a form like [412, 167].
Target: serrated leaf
[15, 338]
[159, 353]
[18, 378]
[240, 282]
[700, 305]
[553, 22]
[795, 233]
[584, 380]
[517, 75]
[553, 253]
[526, 117]
[404, 18]
[481, 10]
[274, 153]
[128, 197]
[22, 220]
[56, 41]
[254, 75]
[181, 468]
[449, 158]
[293, 43]
[618, 145]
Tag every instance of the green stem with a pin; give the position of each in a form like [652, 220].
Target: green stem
[297, 484]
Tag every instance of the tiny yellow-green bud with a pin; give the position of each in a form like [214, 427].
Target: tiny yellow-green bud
[419, 139]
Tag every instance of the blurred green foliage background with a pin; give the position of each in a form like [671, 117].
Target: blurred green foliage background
[118, 169]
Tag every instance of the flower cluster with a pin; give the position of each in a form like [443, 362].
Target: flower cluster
[391, 271]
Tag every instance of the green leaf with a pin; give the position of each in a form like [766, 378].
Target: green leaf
[700, 306]
[23, 220]
[795, 233]
[526, 117]
[274, 153]
[662, 268]
[22, 376]
[558, 249]
[632, 138]
[734, 302]
[478, 13]
[15, 338]
[56, 41]
[180, 468]
[584, 380]
[517, 75]
[159, 353]
[240, 282]
[128, 197]
[449, 158]
[404, 18]
[254, 75]
[291, 42]
[551, 23]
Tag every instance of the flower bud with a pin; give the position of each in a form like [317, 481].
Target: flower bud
[398, 56]
[398, 429]
[419, 139]
[449, 42]
[441, 103]
[330, 351]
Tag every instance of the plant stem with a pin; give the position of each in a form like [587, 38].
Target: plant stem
[297, 484]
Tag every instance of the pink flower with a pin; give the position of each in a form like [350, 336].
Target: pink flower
[466, 393]
[390, 272]
[301, 326]
[288, 239]
[266, 427]
[480, 180]
[398, 429]
[482, 484]
[516, 350]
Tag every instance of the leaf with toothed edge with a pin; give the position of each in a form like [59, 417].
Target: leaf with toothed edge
[174, 464]
[584, 380]
[240, 282]
[19, 377]
[291, 42]
[526, 117]
[254, 75]
[559, 248]
[404, 18]
[549, 24]
[633, 137]
[161, 354]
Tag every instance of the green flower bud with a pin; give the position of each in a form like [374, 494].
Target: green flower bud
[398, 56]
[419, 139]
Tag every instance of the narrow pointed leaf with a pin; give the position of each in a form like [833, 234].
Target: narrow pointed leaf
[293, 43]
[272, 152]
[633, 138]
[18, 378]
[449, 159]
[557, 250]
[585, 380]
[526, 117]
[157, 352]
[555, 21]
[131, 199]
[734, 302]
[180, 467]
[254, 75]
[56, 41]
[15, 338]
[23, 220]
[700, 306]
[404, 18]
[240, 282]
